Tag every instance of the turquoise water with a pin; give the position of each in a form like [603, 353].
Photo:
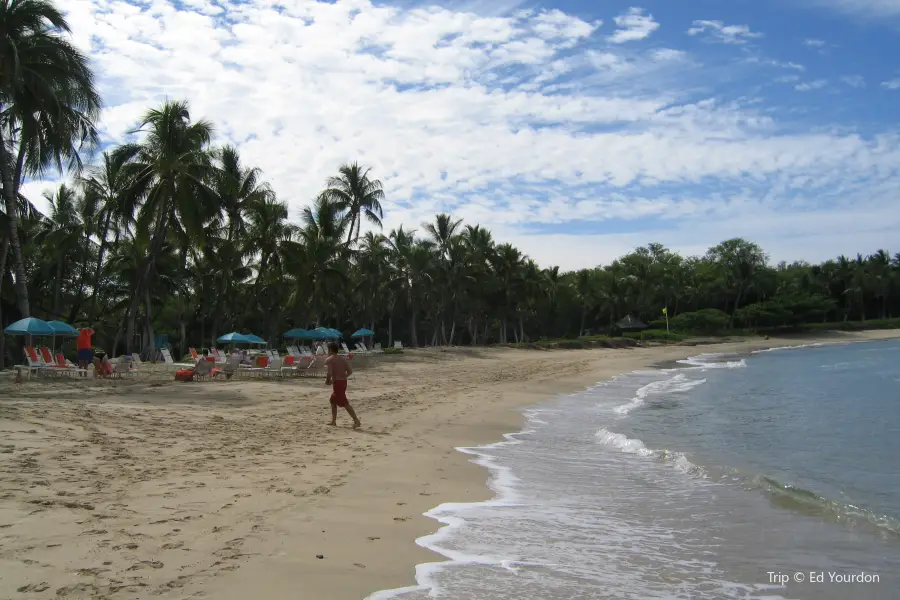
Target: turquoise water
[727, 477]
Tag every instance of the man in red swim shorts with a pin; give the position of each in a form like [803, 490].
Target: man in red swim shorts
[338, 370]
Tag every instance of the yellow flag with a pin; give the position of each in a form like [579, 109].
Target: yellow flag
[665, 311]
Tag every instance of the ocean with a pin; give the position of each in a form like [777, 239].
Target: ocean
[773, 475]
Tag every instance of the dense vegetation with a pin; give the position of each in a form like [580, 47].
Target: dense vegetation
[173, 234]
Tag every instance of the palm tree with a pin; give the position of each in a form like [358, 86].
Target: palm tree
[104, 188]
[373, 264]
[354, 192]
[442, 233]
[48, 105]
[168, 175]
[321, 266]
[64, 233]
[240, 191]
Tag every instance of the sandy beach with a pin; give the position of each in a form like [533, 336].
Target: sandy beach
[229, 490]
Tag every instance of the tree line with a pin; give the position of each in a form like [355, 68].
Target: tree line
[174, 234]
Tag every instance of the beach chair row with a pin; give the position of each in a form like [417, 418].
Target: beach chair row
[263, 365]
[41, 361]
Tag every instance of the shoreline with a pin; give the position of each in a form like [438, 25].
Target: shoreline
[231, 490]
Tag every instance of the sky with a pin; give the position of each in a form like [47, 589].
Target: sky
[574, 130]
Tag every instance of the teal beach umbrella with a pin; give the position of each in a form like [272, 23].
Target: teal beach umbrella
[30, 326]
[62, 329]
[362, 333]
[233, 338]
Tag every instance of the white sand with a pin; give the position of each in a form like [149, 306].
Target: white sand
[229, 490]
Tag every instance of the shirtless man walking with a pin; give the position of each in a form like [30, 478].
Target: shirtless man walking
[338, 370]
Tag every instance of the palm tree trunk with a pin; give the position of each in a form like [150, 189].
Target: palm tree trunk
[57, 287]
[4, 254]
[737, 304]
[521, 330]
[413, 338]
[151, 337]
[79, 296]
[118, 336]
[182, 327]
[391, 329]
[99, 267]
[452, 332]
[130, 318]
[583, 319]
[12, 214]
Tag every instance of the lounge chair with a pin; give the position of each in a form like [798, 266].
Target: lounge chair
[63, 363]
[167, 357]
[35, 364]
[289, 365]
[231, 367]
[203, 369]
[121, 370]
[377, 349]
[398, 345]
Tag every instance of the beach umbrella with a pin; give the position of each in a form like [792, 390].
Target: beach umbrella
[362, 333]
[315, 335]
[254, 339]
[296, 334]
[61, 329]
[30, 326]
[328, 333]
[233, 338]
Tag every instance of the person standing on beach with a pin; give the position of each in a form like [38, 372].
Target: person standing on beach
[338, 369]
[85, 347]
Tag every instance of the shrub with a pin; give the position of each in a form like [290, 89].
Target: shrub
[655, 335]
[855, 325]
[708, 321]
[393, 350]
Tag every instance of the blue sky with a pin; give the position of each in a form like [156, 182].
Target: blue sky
[574, 130]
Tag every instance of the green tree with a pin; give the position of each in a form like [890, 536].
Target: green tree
[48, 105]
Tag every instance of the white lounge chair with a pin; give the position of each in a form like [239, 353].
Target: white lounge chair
[167, 357]
[203, 369]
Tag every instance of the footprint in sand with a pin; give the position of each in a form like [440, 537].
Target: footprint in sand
[172, 546]
[79, 590]
[34, 587]
[153, 564]
[131, 546]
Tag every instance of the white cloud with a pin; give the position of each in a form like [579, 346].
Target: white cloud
[811, 85]
[632, 26]
[892, 84]
[856, 81]
[717, 31]
[863, 8]
[814, 43]
[514, 121]
[668, 54]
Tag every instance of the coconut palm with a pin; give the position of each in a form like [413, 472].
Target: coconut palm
[353, 191]
[169, 176]
[48, 105]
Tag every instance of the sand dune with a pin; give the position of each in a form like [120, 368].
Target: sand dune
[227, 490]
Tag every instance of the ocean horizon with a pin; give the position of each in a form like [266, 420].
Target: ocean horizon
[762, 476]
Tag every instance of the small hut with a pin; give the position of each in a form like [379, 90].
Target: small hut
[630, 323]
